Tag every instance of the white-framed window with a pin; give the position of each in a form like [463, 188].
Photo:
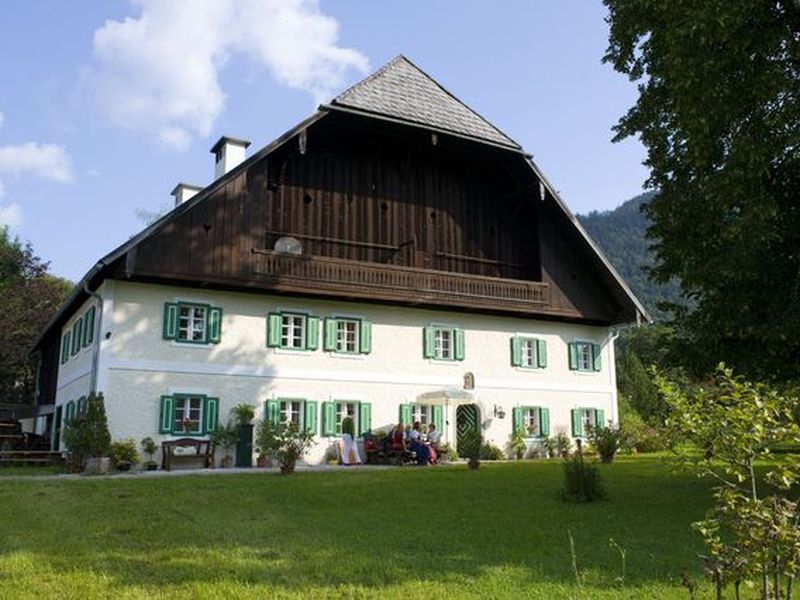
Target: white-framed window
[346, 409]
[293, 331]
[528, 346]
[443, 347]
[192, 323]
[588, 419]
[531, 421]
[188, 415]
[584, 356]
[347, 335]
[291, 411]
[422, 413]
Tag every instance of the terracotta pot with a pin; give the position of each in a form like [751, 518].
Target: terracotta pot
[287, 469]
[262, 462]
[227, 462]
[473, 464]
[607, 460]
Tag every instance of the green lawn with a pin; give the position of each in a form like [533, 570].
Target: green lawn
[448, 532]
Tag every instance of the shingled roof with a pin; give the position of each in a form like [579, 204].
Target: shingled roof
[401, 90]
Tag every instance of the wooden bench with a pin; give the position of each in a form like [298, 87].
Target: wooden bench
[186, 449]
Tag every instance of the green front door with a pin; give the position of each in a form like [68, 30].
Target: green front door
[467, 420]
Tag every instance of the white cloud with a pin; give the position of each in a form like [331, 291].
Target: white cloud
[48, 161]
[159, 72]
[10, 215]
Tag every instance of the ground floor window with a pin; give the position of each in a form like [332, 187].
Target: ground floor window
[291, 411]
[346, 409]
[297, 411]
[584, 419]
[422, 413]
[188, 414]
[531, 421]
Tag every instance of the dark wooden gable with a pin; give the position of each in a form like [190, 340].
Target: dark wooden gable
[383, 213]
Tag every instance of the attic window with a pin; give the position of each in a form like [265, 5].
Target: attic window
[218, 155]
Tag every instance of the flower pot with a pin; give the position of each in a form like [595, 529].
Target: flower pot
[124, 466]
[473, 463]
[227, 462]
[263, 462]
[607, 460]
[287, 469]
[97, 466]
[151, 466]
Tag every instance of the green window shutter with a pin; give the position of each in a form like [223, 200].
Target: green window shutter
[312, 333]
[438, 417]
[166, 414]
[65, 347]
[597, 356]
[405, 415]
[516, 352]
[274, 323]
[272, 412]
[88, 327]
[70, 412]
[170, 321]
[330, 335]
[577, 427]
[599, 418]
[516, 419]
[329, 418]
[76, 336]
[459, 338]
[573, 356]
[214, 325]
[211, 413]
[310, 416]
[428, 344]
[365, 338]
[364, 418]
[541, 353]
[544, 422]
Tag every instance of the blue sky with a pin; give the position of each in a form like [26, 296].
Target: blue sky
[106, 105]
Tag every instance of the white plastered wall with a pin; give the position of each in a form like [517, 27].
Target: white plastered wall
[137, 366]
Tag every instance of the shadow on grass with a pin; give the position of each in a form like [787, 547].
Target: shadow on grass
[367, 529]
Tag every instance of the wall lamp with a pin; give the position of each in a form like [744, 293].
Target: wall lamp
[499, 412]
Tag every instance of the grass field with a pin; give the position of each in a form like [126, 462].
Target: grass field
[447, 532]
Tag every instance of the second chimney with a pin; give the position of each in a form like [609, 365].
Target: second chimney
[184, 191]
[229, 152]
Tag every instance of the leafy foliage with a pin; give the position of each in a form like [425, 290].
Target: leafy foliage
[243, 413]
[518, 444]
[737, 423]
[621, 233]
[582, 481]
[284, 441]
[29, 296]
[491, 452]
[718, 113]
[606, 440]
[86, 435]
[225, 437]
[124, 451]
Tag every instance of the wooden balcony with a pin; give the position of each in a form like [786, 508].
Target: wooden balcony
[332, 276]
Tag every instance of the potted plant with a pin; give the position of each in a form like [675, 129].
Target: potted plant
[265, 442]
[149, 448]
[473, 442]
[225, 437]
[606, 441]
[286, 442]
[563, 444]
[124, 454]
[519, 444]
[244, 415]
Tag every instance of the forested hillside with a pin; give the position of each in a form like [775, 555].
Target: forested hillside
[621, 234]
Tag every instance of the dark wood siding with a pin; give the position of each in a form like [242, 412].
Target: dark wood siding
[385, 196]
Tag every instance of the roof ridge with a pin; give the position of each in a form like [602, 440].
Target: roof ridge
[403, 90]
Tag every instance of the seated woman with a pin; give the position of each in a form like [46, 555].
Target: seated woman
[417, 446]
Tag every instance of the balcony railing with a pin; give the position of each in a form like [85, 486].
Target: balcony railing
[352, 278]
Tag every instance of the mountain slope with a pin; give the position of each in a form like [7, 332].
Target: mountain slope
[621, 235]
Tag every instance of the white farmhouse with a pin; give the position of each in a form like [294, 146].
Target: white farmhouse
[394, 257]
